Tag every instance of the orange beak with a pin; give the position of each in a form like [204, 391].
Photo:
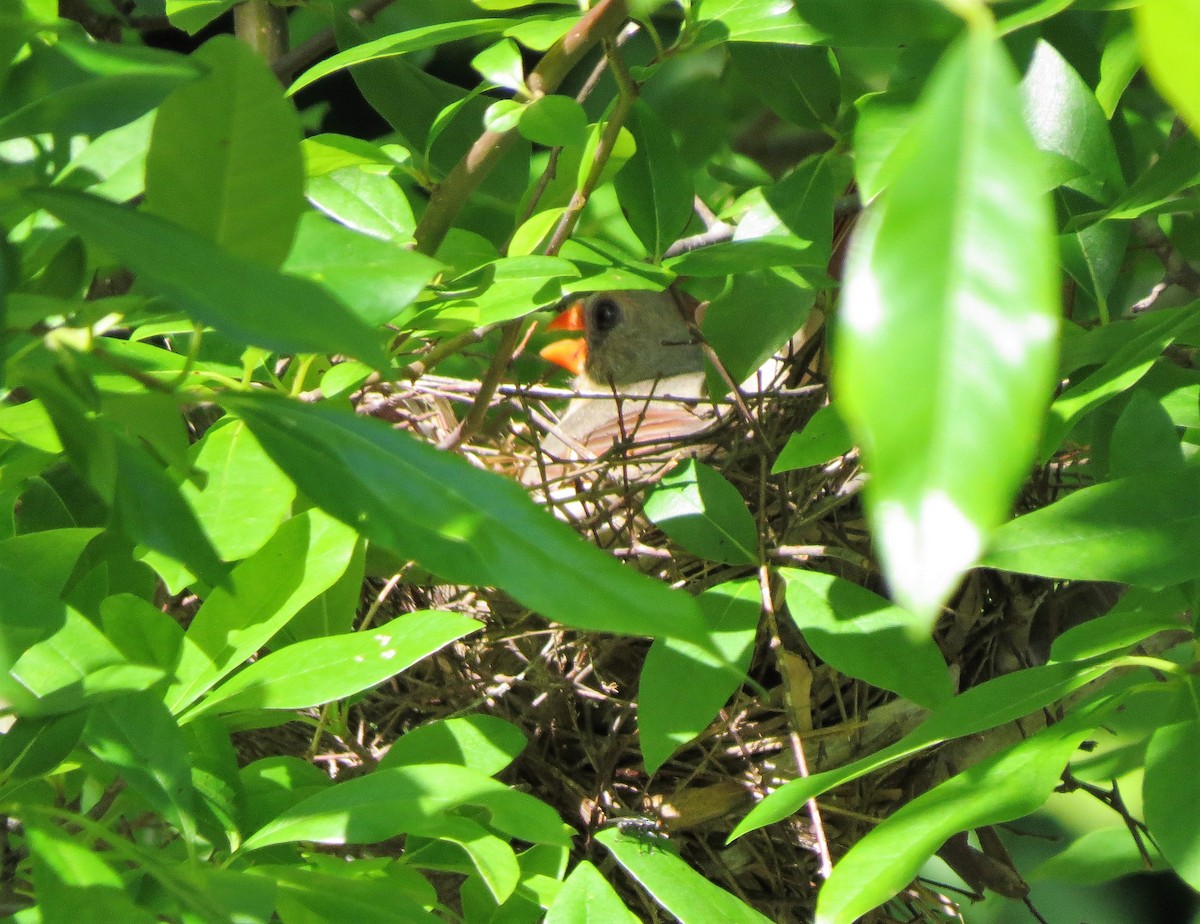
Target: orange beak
[570, 353]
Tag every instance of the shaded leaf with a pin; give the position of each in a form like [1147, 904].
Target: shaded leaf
[480, 742]
[821, 440]
[1171, 783]
[655, 185]
[587, 898]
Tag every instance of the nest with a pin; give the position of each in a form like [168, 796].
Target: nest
[574, 694]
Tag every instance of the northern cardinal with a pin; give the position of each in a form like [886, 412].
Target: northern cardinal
[637, 352]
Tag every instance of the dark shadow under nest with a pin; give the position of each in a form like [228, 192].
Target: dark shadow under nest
[574, 694]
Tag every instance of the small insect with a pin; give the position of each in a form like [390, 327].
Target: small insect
[648, 831]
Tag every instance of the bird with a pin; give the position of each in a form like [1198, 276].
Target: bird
[639, 377]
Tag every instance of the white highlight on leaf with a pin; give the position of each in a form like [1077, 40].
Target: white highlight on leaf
[928, 552]
[861, 307]
[1010, 338]
[388, 655]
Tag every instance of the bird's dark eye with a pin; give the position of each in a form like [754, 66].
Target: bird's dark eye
[606, 314]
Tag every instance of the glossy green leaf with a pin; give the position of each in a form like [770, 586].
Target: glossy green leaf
[241, 497]
[1137, 530]
[304, 557]
[729, 257]
[479, 742]
[587, 898]
[143, 633]
[502, 116]
[754, 21]
[329, 152]
[1169, 784]
[73, 87]
[363, 201]
[555, 121]
[670, 714]
[244, 300]
[399, 44]
[1164, 32]
[224, 159]
[655, 185]
[989, 705]
[704, 513]
[950, 289]
[680, 890]
[501, 64]
[466, 525]
[861, 635]
[320, 670]
[1009, 785]
[821, 440]
[193, 15]
[375, 279]
[413, 799]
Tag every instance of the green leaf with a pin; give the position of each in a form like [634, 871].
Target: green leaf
[48, 557]
[950, 289]
[1135, 530]
[363, 201]
[501, 64]
[329, 152]
[466, 525]
[821, 440]
[138, 737]
[1170, 784]
[478, 742]
[676, 887]
[398, 44]
[375, 279]
[989, 705]
[193, 15]
[655, 185]
[143, 633]
[151, 511]
[224, 159]
[1137, 615]
[503, 115]
[555, 121]
[244, 496]
[304, 895]
[670, 714]
[35, 747]
[587, 898]
[1144, 438]
[1009, 785]
[800, 84]
[1098, 856]
[307, 554]
[1164, 31]
[704, 513]
[73, 87]
[744, 256]
[73, 882]
[754, 21]
[861, 635]
[246, 301]
[320, 670]
[413, 800]
[779, 301]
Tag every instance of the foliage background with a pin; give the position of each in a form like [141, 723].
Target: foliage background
[991, 208]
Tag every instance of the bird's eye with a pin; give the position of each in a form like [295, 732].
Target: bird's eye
[606, 314]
